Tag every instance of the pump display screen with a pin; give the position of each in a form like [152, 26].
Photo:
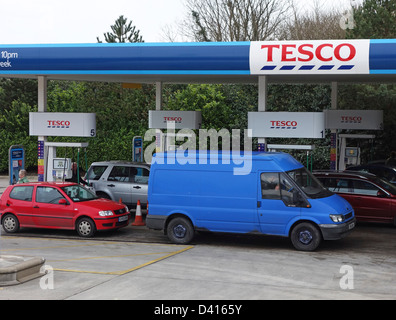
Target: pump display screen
[61, 164]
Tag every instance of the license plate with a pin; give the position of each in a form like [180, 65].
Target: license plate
[352, 225]
[124, 218]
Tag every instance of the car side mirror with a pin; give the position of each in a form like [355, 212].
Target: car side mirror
[381, 194]
[63, 202]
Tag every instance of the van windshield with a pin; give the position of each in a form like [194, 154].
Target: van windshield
[309, 184]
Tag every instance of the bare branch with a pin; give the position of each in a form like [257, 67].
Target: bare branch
[235, 20]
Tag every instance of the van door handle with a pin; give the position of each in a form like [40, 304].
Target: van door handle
[137, 187]
[258, 204]
[111, 185]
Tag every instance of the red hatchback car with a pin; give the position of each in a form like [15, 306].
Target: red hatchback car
[372, 198]
[59, 206]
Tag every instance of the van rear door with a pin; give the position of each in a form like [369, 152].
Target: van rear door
[277, 204]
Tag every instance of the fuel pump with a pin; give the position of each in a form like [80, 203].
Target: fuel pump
[61, 168]
[350, 156]
[16, 158]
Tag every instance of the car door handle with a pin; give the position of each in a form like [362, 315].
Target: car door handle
[36, 207]
[137, 187]
[111, 185]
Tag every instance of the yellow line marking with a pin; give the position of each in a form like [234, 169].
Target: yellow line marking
[53, 247]
[98, 243]
[120, 273]
[105, 257]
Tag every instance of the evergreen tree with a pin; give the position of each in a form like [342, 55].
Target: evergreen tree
[374, 19]
[122, 31]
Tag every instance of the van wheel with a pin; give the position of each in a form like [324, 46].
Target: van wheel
[180, 230]
[10, 223]
[305, 237]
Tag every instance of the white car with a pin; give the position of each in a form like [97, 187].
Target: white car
[117, 180]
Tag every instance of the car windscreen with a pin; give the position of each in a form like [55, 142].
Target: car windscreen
[78, 193]
[309, 184]
[95, 172]
[385, 184]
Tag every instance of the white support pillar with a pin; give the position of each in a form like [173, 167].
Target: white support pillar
[160, 136]
[263, 93]
[334, 132]
[42, 107]
[262, 105]
[158, 96]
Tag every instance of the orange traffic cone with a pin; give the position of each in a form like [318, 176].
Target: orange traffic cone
[138, 216]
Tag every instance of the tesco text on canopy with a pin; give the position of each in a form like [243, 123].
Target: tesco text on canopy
[310, 57]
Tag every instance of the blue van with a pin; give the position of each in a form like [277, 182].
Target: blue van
[273, 194]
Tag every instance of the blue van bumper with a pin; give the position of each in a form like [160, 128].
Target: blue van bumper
[337, 231]
[156, 222]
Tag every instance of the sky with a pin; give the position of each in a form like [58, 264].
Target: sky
[81, 21]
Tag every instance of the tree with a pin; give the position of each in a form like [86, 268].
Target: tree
[316, 24]
[374, 19]
[122, 32]
[234, 20]
[24, 90]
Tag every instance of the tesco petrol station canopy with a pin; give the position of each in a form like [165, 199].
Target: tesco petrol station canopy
[281, 61]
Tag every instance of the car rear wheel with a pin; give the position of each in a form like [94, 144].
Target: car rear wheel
[10, 223]
[180, 230]
[86, 227]
[306, 237]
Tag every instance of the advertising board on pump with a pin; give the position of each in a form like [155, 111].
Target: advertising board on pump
[355, 119]
[175, 119]
[59, 124]
[287, 124]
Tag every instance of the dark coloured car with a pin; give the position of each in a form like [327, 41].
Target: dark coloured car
[372, 198]
[380, 170]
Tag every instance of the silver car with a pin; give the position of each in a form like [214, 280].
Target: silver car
[117, 180]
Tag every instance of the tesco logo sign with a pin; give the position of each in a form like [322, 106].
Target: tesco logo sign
[173, 119]
[58, 124]
[306, 52]
[351, 119]
[283, 124]
[310, 57]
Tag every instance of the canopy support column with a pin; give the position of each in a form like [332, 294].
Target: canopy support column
[334, 132]
[158, 96]
[42, 107]
[262, 105]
